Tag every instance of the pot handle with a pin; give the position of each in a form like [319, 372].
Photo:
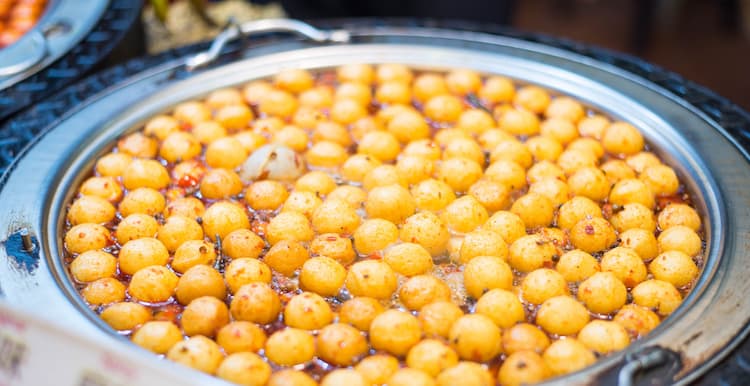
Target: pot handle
[234, 31]
[23, 54]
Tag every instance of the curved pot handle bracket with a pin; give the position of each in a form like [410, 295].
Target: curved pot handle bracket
[234, 31]
[24, 54]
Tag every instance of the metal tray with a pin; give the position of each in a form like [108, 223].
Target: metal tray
[711, 320]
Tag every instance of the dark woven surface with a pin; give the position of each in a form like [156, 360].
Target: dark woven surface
[14, 135]
[106, 34]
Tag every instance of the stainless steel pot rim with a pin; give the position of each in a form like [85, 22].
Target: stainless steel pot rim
[80, 137]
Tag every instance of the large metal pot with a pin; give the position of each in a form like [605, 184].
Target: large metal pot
[709, 323]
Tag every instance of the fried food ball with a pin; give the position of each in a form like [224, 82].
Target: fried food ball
[302, 202]
[289, 377]
[198, 352]
[136, 226]
[428, 85]
[86, 237]
[678, 214]
[680, 238]
[157, 336]
[642, 160]
[410, 377]
[278, 103]
[292, 137]
[497, 89]
[90, 209]
[357, 166]
[286, 257]
[523, 367]
[374, 235]
[392, 203]
[562, 315]
[658, 295]
[371, 278]
[421, 290]
[519, 122]
[556, 191]
[466, 148]
[464, 214]
[361, 73]
[383, 175]
[192, 253]
[198, 281]
[531, 252]
[190, 207]
[475, 121]
[432, 194]
[244, 271]
[661, 179]
[632, 216]
[465, 373]
[142, 200]
[560, 129]
[376, 369]
[576, 209]
[145, 173]
[622, 138]
[336, 216]
[484, 273]
[113, 164]
[291, 226]
[637, 320]
[492, 137]
[294, 80]
[204, 316]
[603, 293]
[542, 284]
[502, 306]
[593, 235]
[625, 264]
[192, 112]
[604, 336]
[532, 98]
[242, 243]
[482, 242]
[577, 265]
[222, 218]
[593, 126]
[572, 160]
[587, 144]
[347, 111]
[506, 224]
[178, 229]
[424, 148]
[514, 151]
[343, 377]
[617, 170]
[382, 145]
[475, 337]
[351, 195]
[250, 140]
[326, 154]
[414, 168]
[459, 173]
[307, 311]
[140, 253]
[393, 92]
[153, 284]
[395, 332]
[254, 91]
[641, 241]
[107, 188]
[125, 316]
[356, 91]
[408, 259]
[524, 337]
[631, 191]
[241, 336]
[493, 195]
[438, 317]
[161, 126]
[565, 356]
[341, 344]
[674, 267]
[255, 302]
[322, 275]
[590, 182]
[180, 146]
[534, 209]
[431, 356]
[244, 369]
[443, 108]
[360, 311]
[220, 183]
[544, 148]
[334, 246]
[138, 145]
[226, 153]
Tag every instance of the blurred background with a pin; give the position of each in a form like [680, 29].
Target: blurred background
[706, 41]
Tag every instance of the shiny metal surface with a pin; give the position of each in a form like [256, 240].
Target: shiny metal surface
[63, 25]
[710, 320]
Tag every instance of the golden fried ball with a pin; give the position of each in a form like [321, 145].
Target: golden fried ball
[86, 237]
[593, 126]
[357, 166]
[562, 315]
[464, 148]
[571, 160]
[302, 202]
[459, 173]
[410, 377]
[393, 92]
[250, 140]
[622, 138]
[292, 137]
[135, 226]
[641, 241]
[421, 290]
[138, 145]
[376, 369]
[242, 243]
[576, 209]
[343, 377]
[336, 216]
[185, 206]
[658, 295]
[633, 216]
[157, 336]
[334, 246]
[637, 320]
[519, 122]
[125, 316]
[294, 80]
[145, 173]
[577, 265]
[544, 148]
[464, 214]
[384, 175]
[192, 253]
[482, 242]
[382, 145]
[153, 284]
[506, 224]
[604, 336]
[254, 91]
[142, 200]
[512, 150]
[161, 126]
[347, 111]
[141, 253]
[475, 121]
[423, 148]
[363, 73]
[556, 191]
[113, 164]
[674, 267]
[431, 356]
[617, 170]
[625, 264]
[286, 256]
[244, 368]
[255, 302]
[603, 293]
[492, 137]
[393, 203]
[475, 337]
[661, 179]
[560, 129]
[493, 195]
[352, 195]
[371, 278]
[200, 280]
[427, 86]
[642, 160]
[462, 82]
[589, 182]
[178, 229]
[525, 337]
[534, 209]
[308, 311]
[292, 226]
[204, 316]
[631, 191]
[241, 336]
[565, 356]
[326, 154]
[107, 188]
[355, 91]
[395, 332]
[502, 306]
[443, 108]
[180, 146]
[592, 235]
[198, 352]
[278, 103]
[393, 72]
[542, 284]
[484, 273]
[523, 367]
[289, 377]
[222, 218]
[531, 252]
[438, 317]
[331, 131]
[290, 346]
[322, 275]
[532, 98]
[414, 168]
[360, 311]
[227, 153]
[680, 238]
[90, 209]
[408, 259]
[244, 271]
[374, 235]
[432, 194]
[341, 344]
[678, 214]
[465, 373]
